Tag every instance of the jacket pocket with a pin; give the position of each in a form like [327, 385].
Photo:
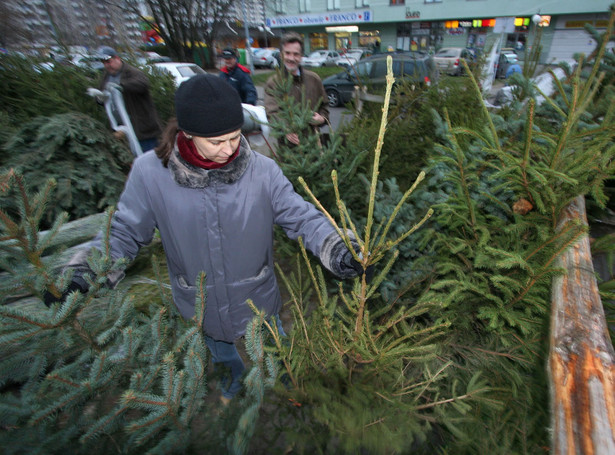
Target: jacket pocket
[183, 283]
[264, 272]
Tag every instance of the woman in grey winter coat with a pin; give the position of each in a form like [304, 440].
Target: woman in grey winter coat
[215, 203]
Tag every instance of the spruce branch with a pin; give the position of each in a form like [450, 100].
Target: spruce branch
[562, 94]
[379, 143]
[462, 180]
[495, 141]
[297, 305]
[327, 322]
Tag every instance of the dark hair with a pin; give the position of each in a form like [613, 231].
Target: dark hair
[167, 142]
[291, 37]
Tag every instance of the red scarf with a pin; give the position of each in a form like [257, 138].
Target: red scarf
[188, 152]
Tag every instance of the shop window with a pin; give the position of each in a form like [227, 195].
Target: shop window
[333, 4]
[370, 39]
[343, 41]
[318, 41]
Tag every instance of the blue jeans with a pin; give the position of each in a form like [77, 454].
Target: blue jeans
[226, 353]
[148, 144]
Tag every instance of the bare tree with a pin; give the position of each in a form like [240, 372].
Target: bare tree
[187, 25]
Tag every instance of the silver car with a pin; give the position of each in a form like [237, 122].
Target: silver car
[448, 59]
[321, 58]
[267, 58]
[179, 70]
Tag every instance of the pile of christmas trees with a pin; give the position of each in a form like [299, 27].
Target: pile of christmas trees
[443, 350]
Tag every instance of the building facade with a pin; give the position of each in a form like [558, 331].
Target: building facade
[42, 24]
[84, 23]
[427, 25]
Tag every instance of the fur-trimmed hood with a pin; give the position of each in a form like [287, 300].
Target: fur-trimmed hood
[185, 174]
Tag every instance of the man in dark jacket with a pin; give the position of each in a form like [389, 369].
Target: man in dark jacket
[238, 76]
[134, 85]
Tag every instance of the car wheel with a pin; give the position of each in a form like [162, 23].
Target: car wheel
[334, 98]
[272, 65]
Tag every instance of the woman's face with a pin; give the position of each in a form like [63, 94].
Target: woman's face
[218, 149]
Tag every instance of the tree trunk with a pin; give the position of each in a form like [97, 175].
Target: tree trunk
[581, 357]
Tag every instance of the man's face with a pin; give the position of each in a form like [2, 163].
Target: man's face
[291, 54]
[230, 63]
[113, 65]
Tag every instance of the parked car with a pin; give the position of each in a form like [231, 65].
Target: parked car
[506, 59]
[371, 72]
[179, 70]
[267, 58]
[155, 57]
[448, 59]
[89, 62]
[321, 58]
[352, 56]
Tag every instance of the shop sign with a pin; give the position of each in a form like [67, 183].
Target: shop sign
[476, 23]
[349, 17]
[410, 14]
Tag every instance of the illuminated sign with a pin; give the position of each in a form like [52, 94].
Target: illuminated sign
[470, 23]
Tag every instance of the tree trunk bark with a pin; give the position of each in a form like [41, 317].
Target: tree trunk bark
[581, 357]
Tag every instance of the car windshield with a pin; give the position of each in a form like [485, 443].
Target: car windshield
[190, 70]
[447, 53]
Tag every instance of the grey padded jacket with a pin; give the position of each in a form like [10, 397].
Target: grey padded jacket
[219, 221]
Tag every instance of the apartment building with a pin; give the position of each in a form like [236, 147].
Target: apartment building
[86, 23]
[430, 24]
[41, 24]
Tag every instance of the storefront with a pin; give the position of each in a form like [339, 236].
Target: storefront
[418, 36]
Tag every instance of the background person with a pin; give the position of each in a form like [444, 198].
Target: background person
[305, 85]
[214, 202]
[134, 85]
[238, 76]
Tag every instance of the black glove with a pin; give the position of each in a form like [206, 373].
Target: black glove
[78, 283]
[350, 263]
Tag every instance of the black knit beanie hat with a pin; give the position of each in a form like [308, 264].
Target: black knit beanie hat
[208, 106]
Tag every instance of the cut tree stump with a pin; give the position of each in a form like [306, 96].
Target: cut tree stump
[581, 357]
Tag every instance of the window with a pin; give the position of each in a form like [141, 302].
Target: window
[279, 6]
[361, 3]
[333, 4]
[364, 68]
[409, 68]
[398, 2]
[305, 6]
